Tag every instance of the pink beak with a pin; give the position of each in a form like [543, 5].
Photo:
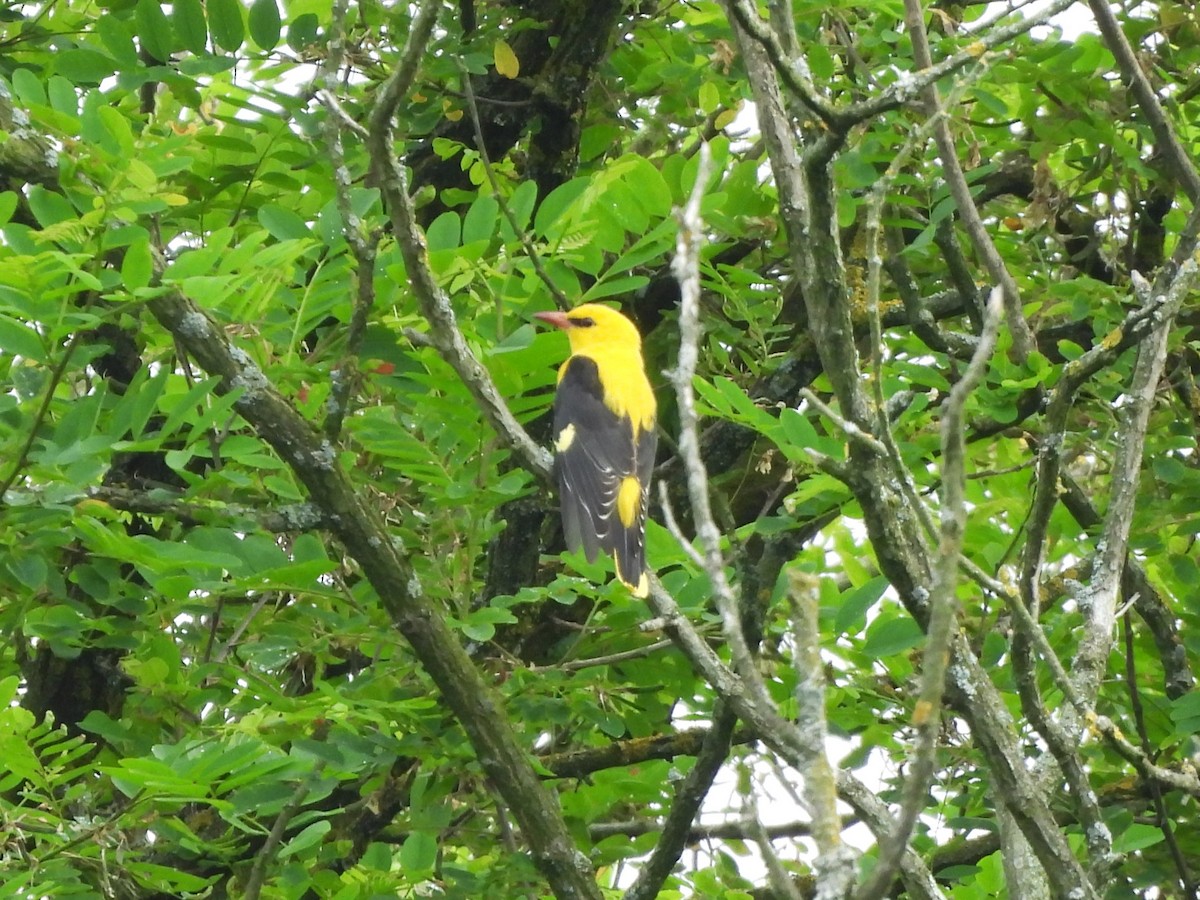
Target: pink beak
[557, 319]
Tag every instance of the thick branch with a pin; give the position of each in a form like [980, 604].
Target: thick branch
[361, 530]
[943, 606]
[1099, 606]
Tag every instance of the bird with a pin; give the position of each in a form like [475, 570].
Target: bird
[604, 438]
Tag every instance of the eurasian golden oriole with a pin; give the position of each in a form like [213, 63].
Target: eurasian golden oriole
[604, 438]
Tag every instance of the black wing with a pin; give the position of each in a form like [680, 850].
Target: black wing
[596, 453]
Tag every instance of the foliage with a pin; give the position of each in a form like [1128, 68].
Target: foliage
[206, 690]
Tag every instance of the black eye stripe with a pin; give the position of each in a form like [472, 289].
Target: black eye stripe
[582, 321]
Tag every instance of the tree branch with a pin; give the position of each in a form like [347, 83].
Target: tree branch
[362, 246]
[956, 180]
[677, 829]
[1100, 603]
[1167, 141]
[435, 305]
[943, 607]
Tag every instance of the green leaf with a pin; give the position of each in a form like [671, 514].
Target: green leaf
[29, 569]
[888, 637]
[28, 87]
[49, 207]
[649, 186]
[62, 96]
[225, 24]
[154, 30]
[138, 265]
[419, 852]
[283, 224]
[444, 233]
[479, 224]
[854, 604]
[1136, 836]
[265, 23]
[117, 127]
[17, 339]
[310, 836]
[302, 31]
[1185, 713]
[612, 287]
[520, 204]
[84, 67]
[188, 18]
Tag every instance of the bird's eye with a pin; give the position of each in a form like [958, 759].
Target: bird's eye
[583, 322]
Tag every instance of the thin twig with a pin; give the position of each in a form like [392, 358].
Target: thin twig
[956, 180]
[1074, 375]
[266, 853]
[918, 880]
[904, 90]
[343, 377]
[668, 514]
[560, 299]
[1091, 659]
[677, 829]
[792, 72]
[1139, 720]
[849, 429]
[609, 659]
[686, 267]
[334, 106]
[43, 410]
[780, 879]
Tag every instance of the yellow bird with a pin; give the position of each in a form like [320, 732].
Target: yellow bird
[604, 438]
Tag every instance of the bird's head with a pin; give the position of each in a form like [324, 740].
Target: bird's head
[592, 325]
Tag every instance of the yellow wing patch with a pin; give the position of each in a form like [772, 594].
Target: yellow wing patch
[629, 500]
[565, 439]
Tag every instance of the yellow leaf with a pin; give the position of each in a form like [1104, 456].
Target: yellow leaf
[507, 63]
[725, 118]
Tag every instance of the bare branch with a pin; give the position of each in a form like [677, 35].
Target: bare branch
[904, 90]
[1160, 619]
[574, 665]
[918, 880]
[435, 305]
[362, 246]
[356, 523]
[1099, 604]
[686, 267]
[266, 853]
[781, 881]
[943, 607]
[290, 518]
[720, 831]
[1185, 781]
[677, 829]
[793, 73]
[835, 863]
[1023, 343]
[849, 429]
